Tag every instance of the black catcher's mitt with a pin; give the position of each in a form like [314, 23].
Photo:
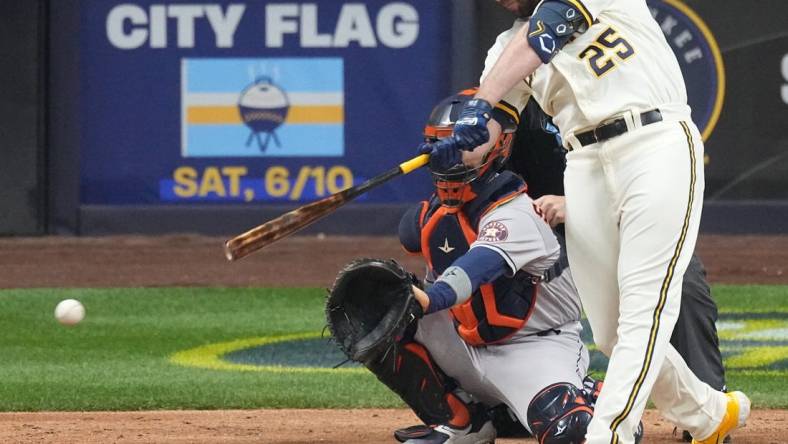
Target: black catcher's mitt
[370, 306]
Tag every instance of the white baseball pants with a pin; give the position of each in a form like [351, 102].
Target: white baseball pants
[633, 210]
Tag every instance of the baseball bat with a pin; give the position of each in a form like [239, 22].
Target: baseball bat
[263, 235]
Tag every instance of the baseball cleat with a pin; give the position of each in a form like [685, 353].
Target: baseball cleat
[686, 437]
[639, 433]
[413, 432]
[736, 415]
[444, 434]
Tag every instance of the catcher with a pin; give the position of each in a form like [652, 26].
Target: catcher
[500, 312]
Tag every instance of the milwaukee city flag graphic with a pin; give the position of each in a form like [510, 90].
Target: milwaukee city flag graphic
[262, 107]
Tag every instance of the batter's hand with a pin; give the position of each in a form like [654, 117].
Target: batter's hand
[553, 209]
[443, 154]
[470, 130]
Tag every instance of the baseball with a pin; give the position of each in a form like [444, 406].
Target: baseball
[69, 312]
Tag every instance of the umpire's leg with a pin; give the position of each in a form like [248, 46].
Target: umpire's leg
[695, 334]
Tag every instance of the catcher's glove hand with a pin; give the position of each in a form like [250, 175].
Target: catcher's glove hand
[370, 306]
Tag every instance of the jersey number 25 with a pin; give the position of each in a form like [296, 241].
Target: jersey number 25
[602, 54]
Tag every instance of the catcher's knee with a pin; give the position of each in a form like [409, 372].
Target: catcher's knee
[411, 373]
[560, 414]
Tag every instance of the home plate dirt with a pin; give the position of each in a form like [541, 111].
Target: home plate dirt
[285, 427]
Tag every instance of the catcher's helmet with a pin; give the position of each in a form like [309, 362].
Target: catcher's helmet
[453, 185]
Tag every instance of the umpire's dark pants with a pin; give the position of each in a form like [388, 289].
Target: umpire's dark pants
[695, 334]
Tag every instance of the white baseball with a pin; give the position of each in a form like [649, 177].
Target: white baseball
[69, 312]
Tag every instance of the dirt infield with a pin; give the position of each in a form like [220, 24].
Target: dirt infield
[135, 261]
[283, 427]
[305, 261]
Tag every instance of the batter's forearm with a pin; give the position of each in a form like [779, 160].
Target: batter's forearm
[517, 62]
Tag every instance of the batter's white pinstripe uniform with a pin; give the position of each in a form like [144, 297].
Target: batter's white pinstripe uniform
[633, 207]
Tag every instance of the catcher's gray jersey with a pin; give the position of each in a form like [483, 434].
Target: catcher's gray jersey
[524, 240]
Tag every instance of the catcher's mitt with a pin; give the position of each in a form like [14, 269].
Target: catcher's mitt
[370, 306]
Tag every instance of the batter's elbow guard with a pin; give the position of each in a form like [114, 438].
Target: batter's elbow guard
[552, 25]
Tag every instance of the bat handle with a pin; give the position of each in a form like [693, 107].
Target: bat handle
[415, 163]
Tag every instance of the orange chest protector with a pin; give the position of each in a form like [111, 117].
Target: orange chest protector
[498, 309]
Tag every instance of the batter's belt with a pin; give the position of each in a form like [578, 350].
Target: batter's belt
[615, 128]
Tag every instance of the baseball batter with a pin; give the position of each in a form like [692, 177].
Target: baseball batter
[539, 157]
[634, 189]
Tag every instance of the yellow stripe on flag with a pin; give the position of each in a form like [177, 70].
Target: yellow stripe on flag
[316, 114]
[225, 115]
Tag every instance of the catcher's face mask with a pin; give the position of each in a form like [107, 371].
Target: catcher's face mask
[454, 185]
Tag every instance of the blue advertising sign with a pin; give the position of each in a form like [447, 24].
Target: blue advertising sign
[253, 101]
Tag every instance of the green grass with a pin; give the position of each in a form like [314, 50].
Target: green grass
[767, 388]
[751, 298]
[118, 358]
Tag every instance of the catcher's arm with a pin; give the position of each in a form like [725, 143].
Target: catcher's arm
[458, 282]
[422, 298]
[476, 267]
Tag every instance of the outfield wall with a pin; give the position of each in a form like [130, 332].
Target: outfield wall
[22, 122]
[213, 117]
